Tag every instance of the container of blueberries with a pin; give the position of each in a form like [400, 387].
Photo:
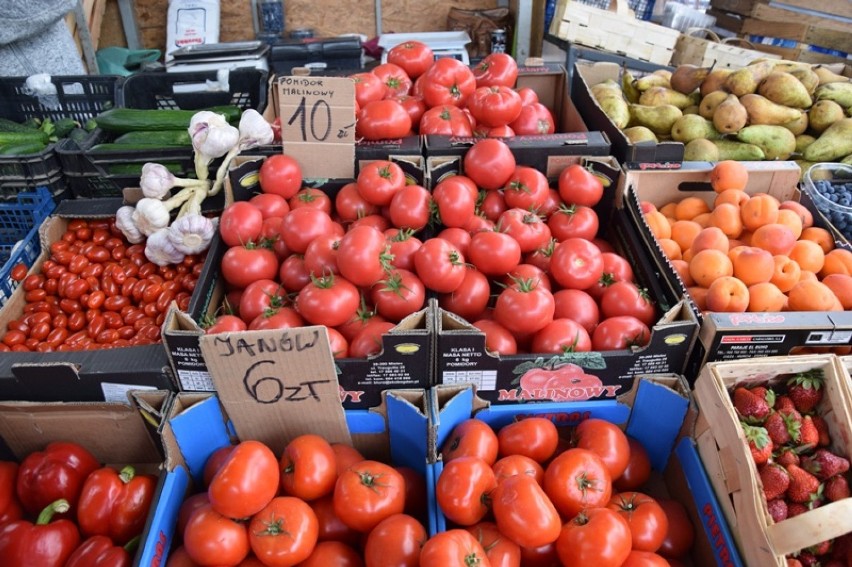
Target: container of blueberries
[829, 187]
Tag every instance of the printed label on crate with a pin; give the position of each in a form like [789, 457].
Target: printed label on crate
[195, 381]
[118, 392]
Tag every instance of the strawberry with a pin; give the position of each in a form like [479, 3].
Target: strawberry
[824, 464]
[807, 559]
[836, 488]
[804, 487]
[767, 394]
[821, 548]
[784, 403]
[822, 429]
[794, 509]
[777, 429]
[808, 434]
[775, 480]
[805, 389]
[777, 510]
[843, 548]
[787, 456]
[750, 407]
[759, 443]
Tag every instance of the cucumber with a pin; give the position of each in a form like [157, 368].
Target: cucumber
[12, 126]
[165, 137]
[77, 135]
[7, 138]
[100, 148]
[21, 149]
[133, 119]
[136, 168]
[64, 126]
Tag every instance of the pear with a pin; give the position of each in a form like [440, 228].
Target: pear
[746, 80]
[761, 110]
[799, 125]
[616, 108]
[803, 141]
[687, 78]
[638, 134]
[692, 126]
[788, 66]
[700, 149]
[652, 80]
[828, 76]
[730, 116]
[692, 109]
[847, 160]
[708, 104]
[656, 96]
[841, 93]
[823, 114]
[785, 89]
[631, 93]
[738, 151]
[664, 73]
[715, 81]
[808, 78]
[834, 143]
[776, 141]
[659, 119]
[605, 89]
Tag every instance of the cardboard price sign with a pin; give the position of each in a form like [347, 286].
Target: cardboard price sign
[318, 124]
[278, 383]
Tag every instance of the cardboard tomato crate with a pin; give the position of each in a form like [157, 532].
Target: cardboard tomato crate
[461, 356]
[658, 412]
[730, 336]
[116, 433]
[725, 452]
[404, 362]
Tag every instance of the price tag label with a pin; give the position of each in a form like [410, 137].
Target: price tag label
[318, 124]
[277, 384]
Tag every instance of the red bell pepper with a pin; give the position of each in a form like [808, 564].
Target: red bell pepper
[46, 544]
[115, 504]
[56, 473]
[10, 508]
[99, 551]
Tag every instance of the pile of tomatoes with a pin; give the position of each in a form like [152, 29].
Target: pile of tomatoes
[96, 290]
[413, 93]
[319, 504]
[527, 495]
[497, 246]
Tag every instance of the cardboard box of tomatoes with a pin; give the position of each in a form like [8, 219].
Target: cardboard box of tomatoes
[403, 362]
[77, 374]
[657, 413]
[735, 335]
[76, 451]
[583, 372]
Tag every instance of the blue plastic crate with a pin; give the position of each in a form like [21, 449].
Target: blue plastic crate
[19, 239]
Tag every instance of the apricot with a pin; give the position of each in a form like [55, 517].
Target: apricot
[727, 294]
[766, 296]
[774, 237]
[811, 295]
[760, 210]
[752, 265]
[709, 265]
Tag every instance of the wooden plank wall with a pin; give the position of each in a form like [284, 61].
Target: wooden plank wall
[327, 17]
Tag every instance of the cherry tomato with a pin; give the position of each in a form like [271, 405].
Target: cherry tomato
[18, 272]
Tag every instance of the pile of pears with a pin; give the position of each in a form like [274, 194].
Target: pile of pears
[768, 110]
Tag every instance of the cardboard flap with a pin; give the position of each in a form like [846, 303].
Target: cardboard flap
[47, 373]
[656, 419]
[190, 414]
[409, 439]
[277, 384]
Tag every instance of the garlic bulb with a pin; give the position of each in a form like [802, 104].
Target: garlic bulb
[211, 134]
[254, 130]
[156, 180]
[150, 216]
[160, 250]
[191, 234]
[125, 223]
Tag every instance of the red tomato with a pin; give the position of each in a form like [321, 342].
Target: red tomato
[242, 265]
[259, 296]
[498, 339]
[577, 479]
[535, 120]
[410, 208]
[247, 481]
[368, 341]
[489, 163]
[360, 256]
[415, 492]
[500, 550]
[293, 274]
[455, 199]
[414, 106]
[399, 295]
[494, 253]
[270, 205]
[647, 519]
[18, 272]
[512, 465]
[403, 246]
[496, 69]
[524, 308]
[321, 255]
[528, 95]
[577, 305]
[638, 468]
[446, 121]
[524, 513]
[561, 336]
[463, 490]
[280, 174]
[470, 299]
[617, 266]
[180, 558]
[526, 189]
[367, 493]
[383, 120]
[395, 541]
[453, 548]
[618, 333]
[607, 441]
[579, 186]
[350, 205]
[448, 82]
[626, 298]
[414, 57]
[214, 463]
[333, 554]
[308, 467]
[394, 77]
[533, 437]
[277, 318]
[680, 534]
[576, 263]
[188, 508]
[440, 265]
[458, 237]
[213, 539]
[597, 537]
[494, 106]
[240, 223]
[379, 181]
[328, 300]
[331, 528]
[645, 559]
[526, 228]
[471, 438]
[311, 197]
[368, 87]
[284, 533]
[302, 225]
[575, 221]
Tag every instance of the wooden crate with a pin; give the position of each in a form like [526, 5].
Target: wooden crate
[802, 54]
[732, 471]
[835, 36]
[615, 30]
[827, 9]
[727, 20]
[728, 53]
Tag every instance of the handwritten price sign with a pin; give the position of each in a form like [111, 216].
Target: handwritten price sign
[318, 124]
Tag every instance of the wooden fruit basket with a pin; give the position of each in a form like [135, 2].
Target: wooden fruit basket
[702, 47]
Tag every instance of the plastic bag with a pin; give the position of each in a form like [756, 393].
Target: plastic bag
[123, 61]
[191, 22]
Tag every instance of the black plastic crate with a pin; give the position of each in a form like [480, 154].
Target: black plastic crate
[79, 97]
[195, 90]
